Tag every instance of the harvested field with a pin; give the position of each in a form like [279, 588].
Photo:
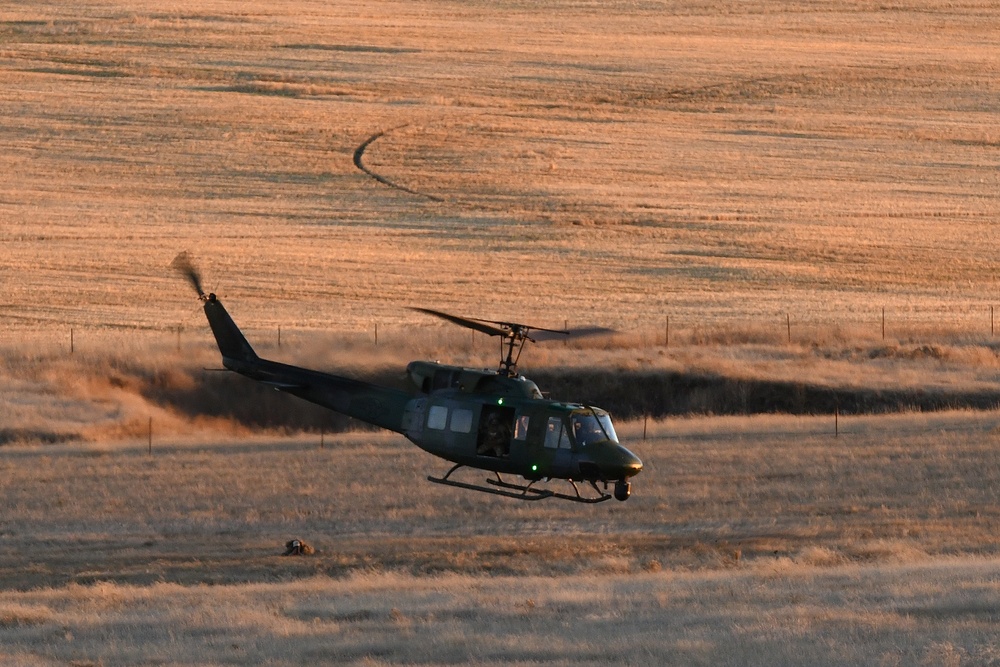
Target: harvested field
[719, 162]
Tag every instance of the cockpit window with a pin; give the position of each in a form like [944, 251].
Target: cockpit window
[593, 427]
[552, 431]
[556, 434]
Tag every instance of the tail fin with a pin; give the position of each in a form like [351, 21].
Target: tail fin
[232, 343]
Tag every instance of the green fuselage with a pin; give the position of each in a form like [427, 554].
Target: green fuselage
[486, 420]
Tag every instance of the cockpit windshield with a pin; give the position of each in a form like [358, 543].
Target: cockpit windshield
[592, 427]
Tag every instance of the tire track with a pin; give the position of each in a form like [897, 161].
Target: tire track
[454, 201]
[359, 154]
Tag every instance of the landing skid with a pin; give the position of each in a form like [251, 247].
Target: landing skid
[520, 491]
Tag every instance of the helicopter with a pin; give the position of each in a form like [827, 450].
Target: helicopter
[492, 420]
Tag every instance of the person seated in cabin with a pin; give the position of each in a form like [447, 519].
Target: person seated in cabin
[495, 438]
[503, 440]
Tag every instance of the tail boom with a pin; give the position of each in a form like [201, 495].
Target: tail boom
[374, 404]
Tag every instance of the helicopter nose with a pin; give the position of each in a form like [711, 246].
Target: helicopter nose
[613, 461]
[629, 464]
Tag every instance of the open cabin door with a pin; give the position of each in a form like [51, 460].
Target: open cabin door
[496, 428]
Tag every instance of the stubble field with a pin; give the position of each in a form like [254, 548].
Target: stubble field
[768, 176]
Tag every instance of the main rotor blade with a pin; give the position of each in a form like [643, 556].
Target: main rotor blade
[570, 334]
[184, 265]
[517, 326]
[478, 325]
[517, 330]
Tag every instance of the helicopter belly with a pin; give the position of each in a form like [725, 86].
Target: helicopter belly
[458, 454]
[560, 464]
[564, 470]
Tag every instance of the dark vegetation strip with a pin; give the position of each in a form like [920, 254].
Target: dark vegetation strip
[10, 436]
[631, 394]
[626, 394]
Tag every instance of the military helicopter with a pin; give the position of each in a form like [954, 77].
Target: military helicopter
[497, 421]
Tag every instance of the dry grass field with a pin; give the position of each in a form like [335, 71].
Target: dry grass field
[754, 540]
[769, 176]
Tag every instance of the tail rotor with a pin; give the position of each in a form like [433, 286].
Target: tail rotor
[184, 264]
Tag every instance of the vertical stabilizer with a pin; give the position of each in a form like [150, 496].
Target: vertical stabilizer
[232, 343]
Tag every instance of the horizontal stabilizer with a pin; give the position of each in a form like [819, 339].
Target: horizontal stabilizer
[283, 386]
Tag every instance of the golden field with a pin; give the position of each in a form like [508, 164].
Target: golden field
[618, 163]
[769, 176]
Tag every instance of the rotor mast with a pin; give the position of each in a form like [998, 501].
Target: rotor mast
[516, 337]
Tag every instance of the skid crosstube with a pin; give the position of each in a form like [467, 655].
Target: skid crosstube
[519, 491]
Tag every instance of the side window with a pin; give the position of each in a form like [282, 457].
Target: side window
[461, 420]
[552, 431]
[437, 417]
[521, 428]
